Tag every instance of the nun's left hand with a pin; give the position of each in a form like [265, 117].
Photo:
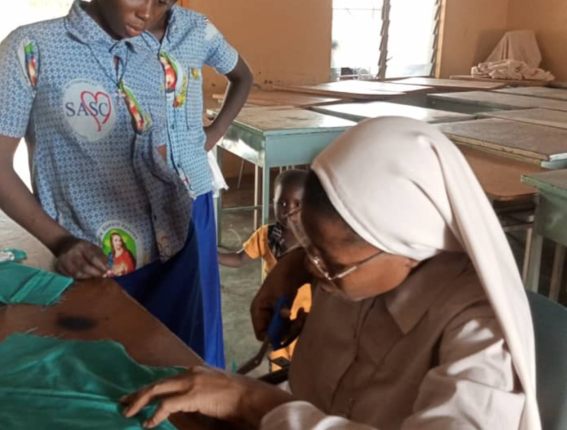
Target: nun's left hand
[210, 392]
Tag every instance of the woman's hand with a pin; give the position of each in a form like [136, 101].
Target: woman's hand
[79, 259]
[209, 392]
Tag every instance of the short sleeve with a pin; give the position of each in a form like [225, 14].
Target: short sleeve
[19, 68]
[219, 53]
[255, 247]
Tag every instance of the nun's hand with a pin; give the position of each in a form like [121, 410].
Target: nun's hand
[284, 280]
[209, 392]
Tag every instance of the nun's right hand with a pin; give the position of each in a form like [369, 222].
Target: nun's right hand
[284, 280]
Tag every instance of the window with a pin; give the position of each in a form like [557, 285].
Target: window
[384, 38]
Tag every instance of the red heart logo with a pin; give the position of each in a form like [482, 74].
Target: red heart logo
[94, 115]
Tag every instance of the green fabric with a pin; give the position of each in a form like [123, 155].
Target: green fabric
[24, 284]
[54, 384]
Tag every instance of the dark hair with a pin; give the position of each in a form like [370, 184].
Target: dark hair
[315, 197]
[291, 178]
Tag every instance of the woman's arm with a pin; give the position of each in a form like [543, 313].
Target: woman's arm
[76, 258]
[240, 81]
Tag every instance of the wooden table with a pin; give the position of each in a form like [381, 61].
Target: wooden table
[513, 201]
[270, 138]
[101, 310]
[545, 146]
[482, 101]
[360, 90]
[508, 82]
[549, 118]
[501, 178]
[550, 222]
[451, 84]
[285, 98]
[541, 92]
[361, 111]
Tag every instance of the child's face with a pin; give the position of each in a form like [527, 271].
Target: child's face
[130, 18]
[286, 199]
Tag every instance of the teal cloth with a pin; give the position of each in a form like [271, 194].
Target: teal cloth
[24, 284]
[54, 384]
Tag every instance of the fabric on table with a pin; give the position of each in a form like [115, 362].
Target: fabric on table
[25, 284]
[55, 384]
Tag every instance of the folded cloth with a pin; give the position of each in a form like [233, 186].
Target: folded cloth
[55, 384]
[25, 284]
[516, 57]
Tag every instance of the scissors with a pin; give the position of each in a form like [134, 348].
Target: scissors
[277, 331]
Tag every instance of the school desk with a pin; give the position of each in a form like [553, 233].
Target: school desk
[451, 84]
[359, 90]
[285, 98]
[551, 223]
[270, 138]
[101, 310]
[549, 118]
[484, 101]
[360, 111]
[508, 82]
[545, 146]
[541, 92]
[513, 201]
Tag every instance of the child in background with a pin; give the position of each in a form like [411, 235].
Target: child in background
[271, 242]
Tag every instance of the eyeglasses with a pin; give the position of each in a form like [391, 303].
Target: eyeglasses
[314, 255]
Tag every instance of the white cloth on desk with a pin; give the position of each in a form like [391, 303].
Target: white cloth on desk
[451, 348]
[516, 57]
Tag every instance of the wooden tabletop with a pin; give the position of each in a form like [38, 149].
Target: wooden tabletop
[497, 100]
[531, 141]
[510, 82]
[101, 310]
[361, 111]
[285, 98]
[554, 182]
[549, 118]
[452, 84]
[542, 92]
[270, 121]
[362, 90]
[500, 177]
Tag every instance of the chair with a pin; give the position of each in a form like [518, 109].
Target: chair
[550, 326]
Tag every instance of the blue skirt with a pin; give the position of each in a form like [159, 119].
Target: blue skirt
[204, 219]
[171, 291]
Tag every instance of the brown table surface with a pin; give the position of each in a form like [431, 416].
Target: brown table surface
[511, 82]
[500, 177]
[285, 98]
[451, 84]
[363, 90]
[101, 310]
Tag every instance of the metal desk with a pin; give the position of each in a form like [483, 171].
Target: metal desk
[269, 137]
[550, 222]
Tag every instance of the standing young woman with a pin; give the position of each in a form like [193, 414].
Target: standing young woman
[90, 105]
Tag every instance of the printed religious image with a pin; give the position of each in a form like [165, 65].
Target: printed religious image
[120, 248]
